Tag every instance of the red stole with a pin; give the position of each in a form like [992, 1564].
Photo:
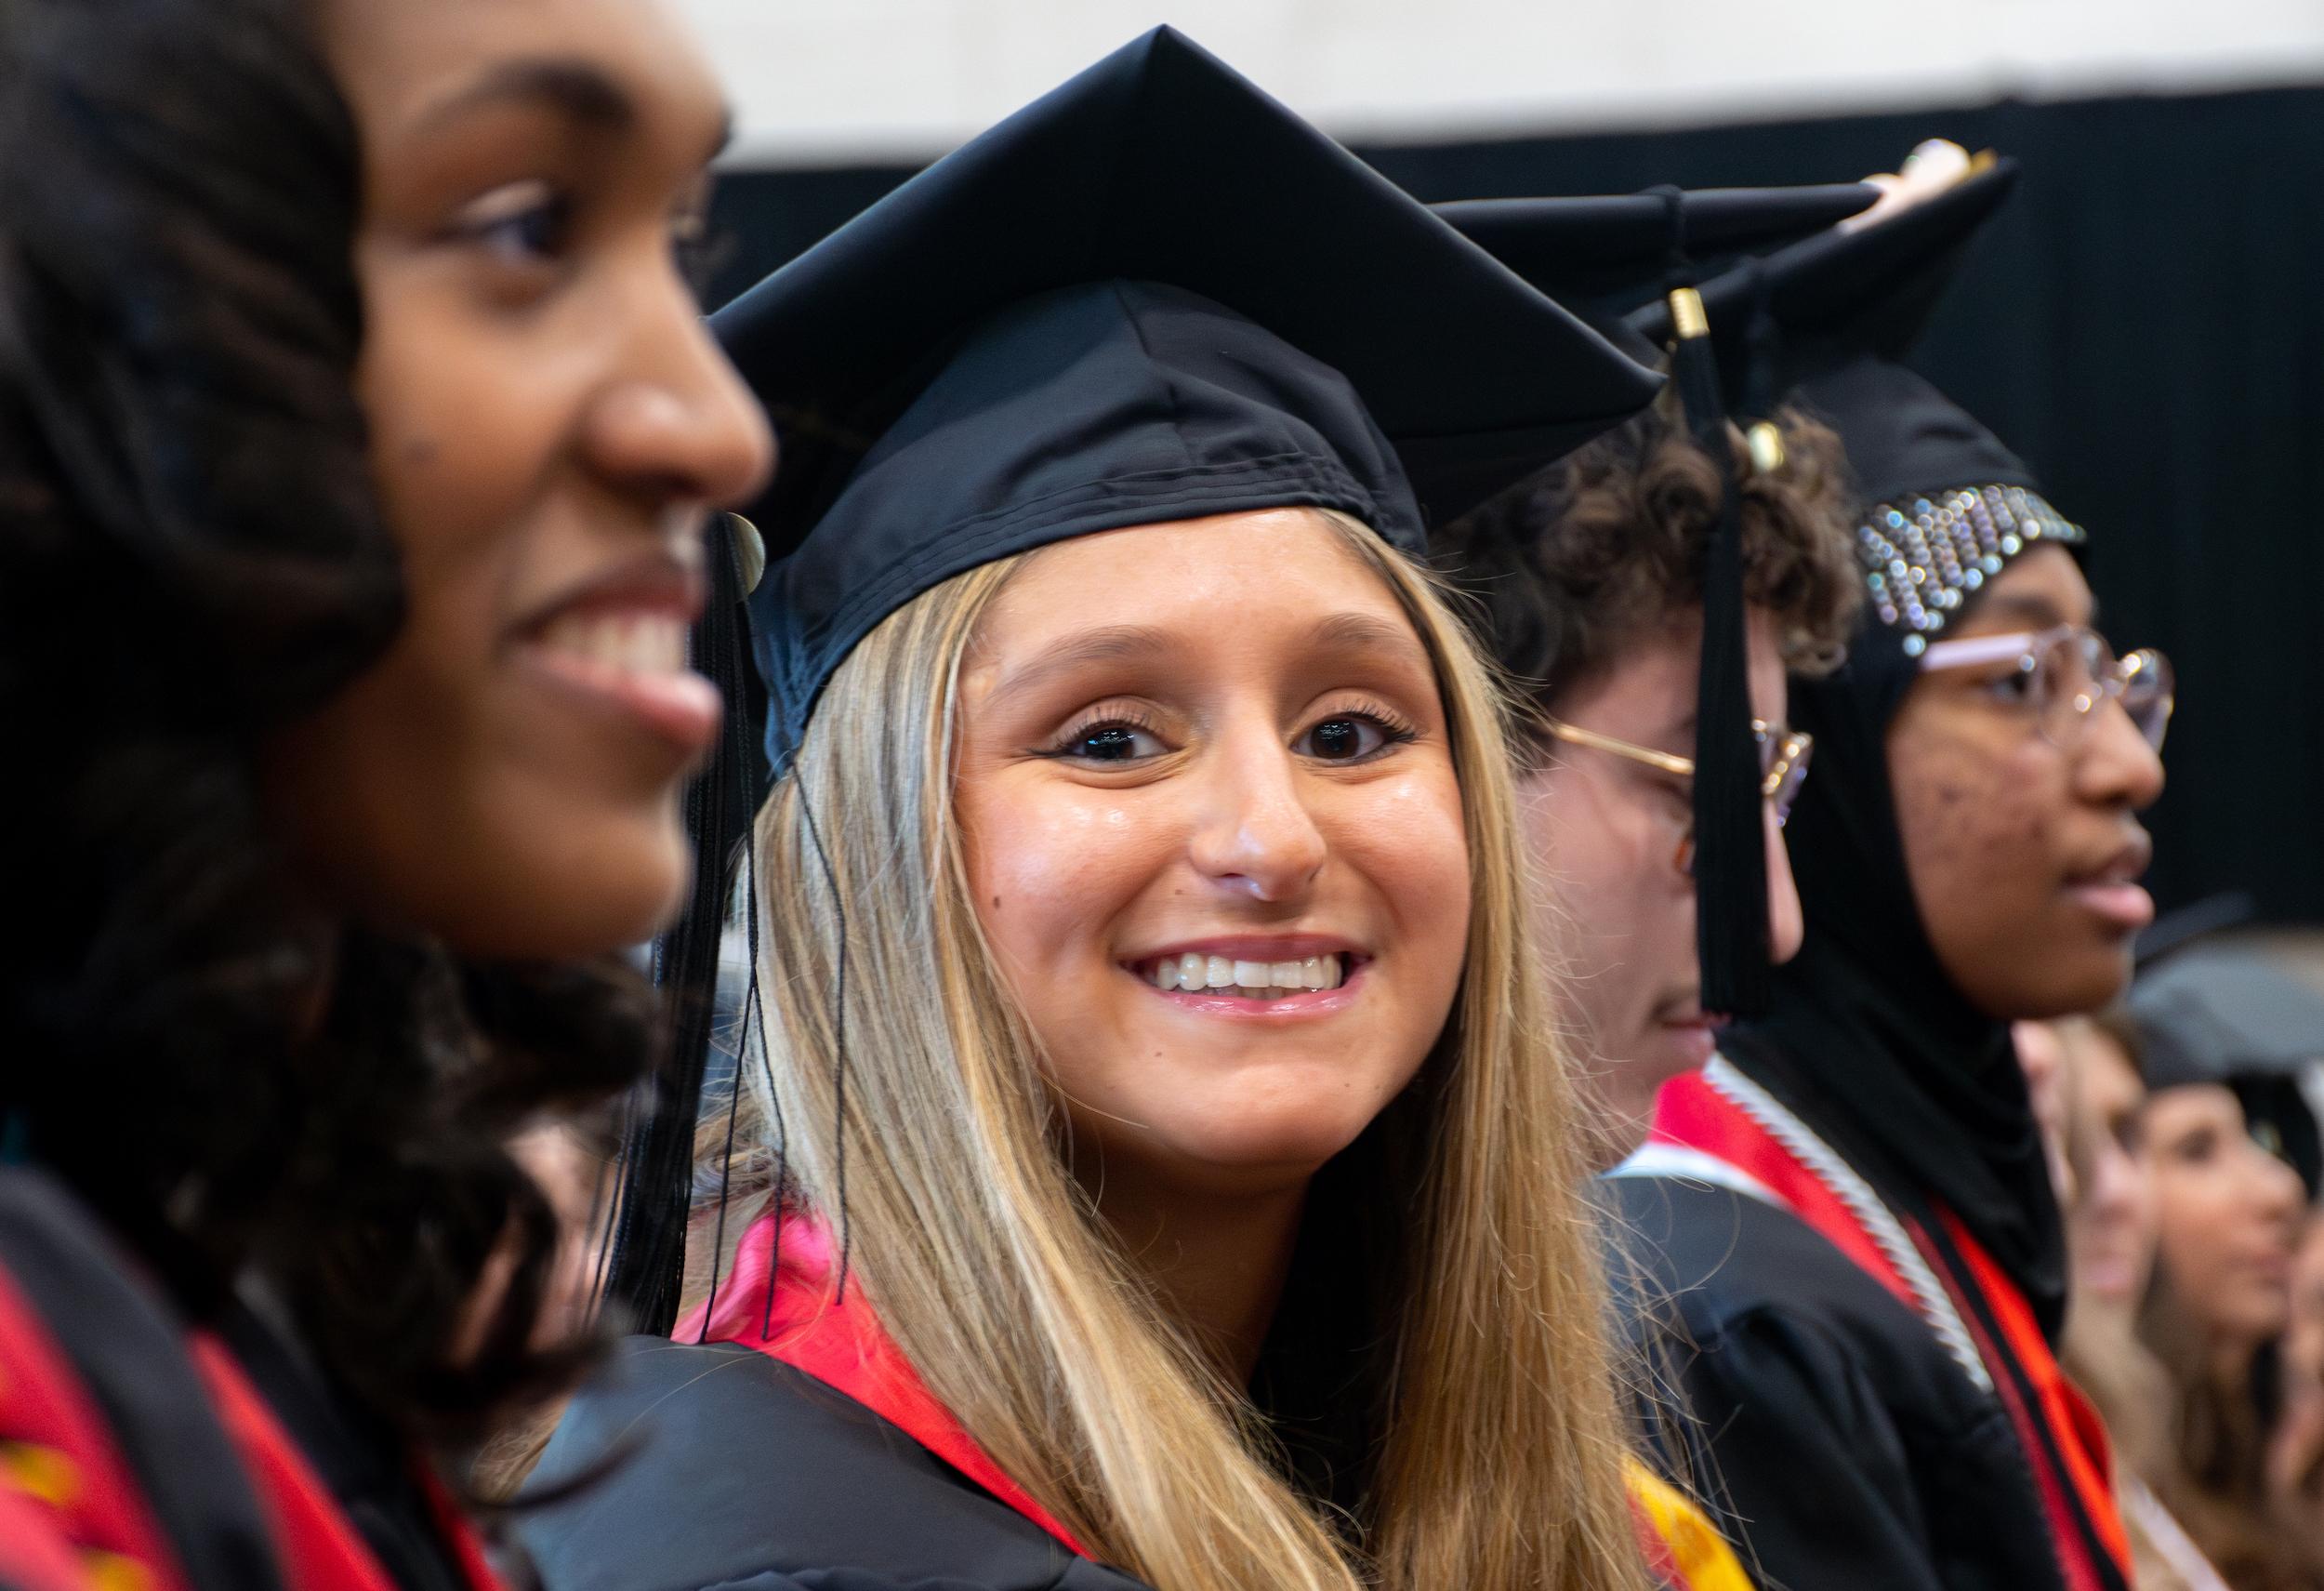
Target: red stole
[843, 1346]
[319, 1550]
[68, 1501]
[1691, 1112]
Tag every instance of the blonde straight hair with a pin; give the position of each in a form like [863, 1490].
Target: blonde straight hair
[984, 1260]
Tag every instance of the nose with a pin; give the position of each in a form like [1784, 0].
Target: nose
[674, 420]
[1256, 836]
[2117, 767]
[2116, 1181]
[1787, 923]
[2276, 1190]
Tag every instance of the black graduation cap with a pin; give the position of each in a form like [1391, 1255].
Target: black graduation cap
[1827, 324]
[1830, 320]
[1608, 254]
[1605, 256]
[1153, 294]
[2224, 1013]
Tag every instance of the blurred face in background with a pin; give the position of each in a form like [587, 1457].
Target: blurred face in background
[2041, 1057]
[2111, 1219]
[2304, 1344]
[1609, 833]
[2229, 1215]
[2024, 854]
[551, 427]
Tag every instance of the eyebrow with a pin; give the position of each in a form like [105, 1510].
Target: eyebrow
[1362, 633]
[575, 89]
[1118, 642]
[2032, 609]
[1109, 644]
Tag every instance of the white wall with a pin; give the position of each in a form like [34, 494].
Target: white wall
[827, 80]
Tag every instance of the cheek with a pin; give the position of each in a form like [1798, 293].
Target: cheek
[1977, 826]
[1970, 820]
[1405, 843]
[1053, 867]
[2188, 1212]
[466, 412]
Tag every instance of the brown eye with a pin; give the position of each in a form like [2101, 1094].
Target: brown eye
[1337, 739]
[524, 223]
[1349, 737]
[1111, 740]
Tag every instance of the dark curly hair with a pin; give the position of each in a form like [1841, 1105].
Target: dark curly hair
[1606, 545]
[191, 555]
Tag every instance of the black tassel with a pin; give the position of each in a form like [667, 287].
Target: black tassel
[1730, 846]
[645, 1268]
[1730, 832]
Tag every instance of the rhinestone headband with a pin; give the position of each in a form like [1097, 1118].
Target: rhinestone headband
[1923, 558]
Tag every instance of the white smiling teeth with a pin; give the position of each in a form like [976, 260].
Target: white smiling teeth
[629, 643]
[1253, 980]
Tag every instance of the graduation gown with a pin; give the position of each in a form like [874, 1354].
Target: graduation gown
[793, 1446]
[140, 1454]
[1846, 1438]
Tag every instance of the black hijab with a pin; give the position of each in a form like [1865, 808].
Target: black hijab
[1866, 1036]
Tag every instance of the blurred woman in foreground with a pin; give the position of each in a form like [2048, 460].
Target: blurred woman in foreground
[357, 433]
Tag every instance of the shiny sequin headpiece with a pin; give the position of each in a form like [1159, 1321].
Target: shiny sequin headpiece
[1923, 558]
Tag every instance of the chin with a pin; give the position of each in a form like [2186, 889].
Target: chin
[1250, 1150]
[543, 910]
[2071, 983]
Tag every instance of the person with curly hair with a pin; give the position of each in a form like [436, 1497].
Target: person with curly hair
[1589, 581]
[358, 435]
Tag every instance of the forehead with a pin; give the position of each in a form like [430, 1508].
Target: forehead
[2193, 1105]
[2044, 587]
[400, 59]
[1227, 582]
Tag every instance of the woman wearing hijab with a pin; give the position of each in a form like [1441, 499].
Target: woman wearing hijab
[1865, 1265]
[1180, 1182]
[359, 439]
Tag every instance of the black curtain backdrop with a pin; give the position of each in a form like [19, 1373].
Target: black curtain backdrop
[2145, 326]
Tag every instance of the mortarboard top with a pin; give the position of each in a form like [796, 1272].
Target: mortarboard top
[1825, 324]
[1603, 256]
[1155, 294]
[1830, 320]
[2220, 1011]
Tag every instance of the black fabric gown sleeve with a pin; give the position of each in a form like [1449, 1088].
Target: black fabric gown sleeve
[1816, 1416]
[718, 1468]
[127, 1344]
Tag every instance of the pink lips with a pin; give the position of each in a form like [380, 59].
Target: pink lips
[2127, 908]
[659, 595]
[2112, 891]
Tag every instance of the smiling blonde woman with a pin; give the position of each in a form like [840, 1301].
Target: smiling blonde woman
[1180, 1177]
